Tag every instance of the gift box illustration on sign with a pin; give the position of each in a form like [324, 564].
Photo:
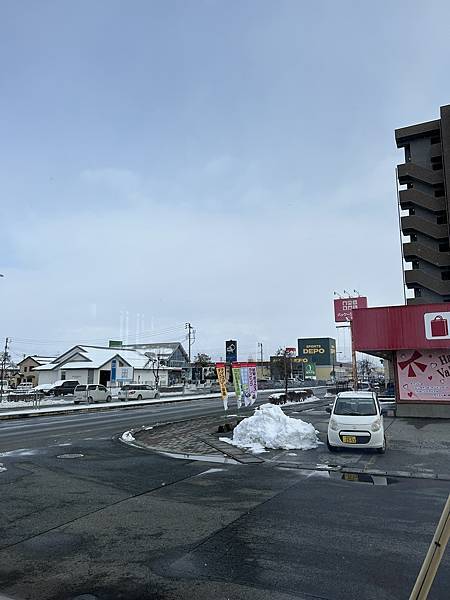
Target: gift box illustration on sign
[439, 326]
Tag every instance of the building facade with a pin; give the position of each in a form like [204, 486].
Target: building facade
[26, 368]
[425, 202]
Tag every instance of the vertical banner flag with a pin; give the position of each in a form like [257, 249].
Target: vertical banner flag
[252, 382]
[236, 370]
[244, 384]
[221, 376]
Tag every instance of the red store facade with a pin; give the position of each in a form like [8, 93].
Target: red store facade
[416, 339]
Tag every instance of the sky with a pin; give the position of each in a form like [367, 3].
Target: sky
[225, 163]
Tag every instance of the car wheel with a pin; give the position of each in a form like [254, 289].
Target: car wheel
[108, 398]
[382, 450]
[139, 397]
[330, 447]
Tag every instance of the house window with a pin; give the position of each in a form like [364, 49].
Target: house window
[25, 369]
[63, 375]
[90, 376]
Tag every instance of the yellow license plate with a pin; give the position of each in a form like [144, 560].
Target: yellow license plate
[350, 477]
[349, 439]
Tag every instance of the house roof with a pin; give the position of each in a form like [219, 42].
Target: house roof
[162, 349]
[41, 360]
[94, 357]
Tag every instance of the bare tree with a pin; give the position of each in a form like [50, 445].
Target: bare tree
[155, 362]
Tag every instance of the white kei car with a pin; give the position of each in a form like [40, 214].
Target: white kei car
[91, 393]
[356, 421]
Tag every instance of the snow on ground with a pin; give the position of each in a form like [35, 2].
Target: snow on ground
[290, 402]
[269, 427]
[127, 436]
[50, 401]
[310, 399]
[2, 468]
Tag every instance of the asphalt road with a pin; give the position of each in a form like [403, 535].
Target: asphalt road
[121, 523]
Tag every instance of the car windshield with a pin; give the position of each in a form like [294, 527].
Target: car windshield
[80, 388]
[360, 407]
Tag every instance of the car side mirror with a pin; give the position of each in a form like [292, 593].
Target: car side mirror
[328, 409]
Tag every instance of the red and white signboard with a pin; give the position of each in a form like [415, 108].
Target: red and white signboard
[343, 307]
[423, 375]
[437, 325]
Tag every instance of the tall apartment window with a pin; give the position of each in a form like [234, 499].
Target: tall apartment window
[436, 139]
[441, 218]
[439, 193]
[444, 247]
[415, 264]
[418, 292]
[413, 237]
[445, 275]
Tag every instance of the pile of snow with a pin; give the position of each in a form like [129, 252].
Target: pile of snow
[2, 468]
[269, 427]
[127, 436]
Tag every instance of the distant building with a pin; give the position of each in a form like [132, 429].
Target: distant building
[106, 366]
[27, 366]
[426, 175]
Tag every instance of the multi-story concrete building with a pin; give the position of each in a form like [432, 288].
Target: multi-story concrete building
[426, 174]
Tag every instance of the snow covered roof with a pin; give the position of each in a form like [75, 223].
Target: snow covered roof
[41, 360]
[94, 357]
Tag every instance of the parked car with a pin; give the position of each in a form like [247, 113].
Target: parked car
[91, 393]
[62, 388]
[137, 391]
[356, 421]
[44, 388]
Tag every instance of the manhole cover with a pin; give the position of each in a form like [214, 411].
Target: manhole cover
[71, 456]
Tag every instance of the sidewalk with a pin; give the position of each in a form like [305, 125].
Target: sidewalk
[417, 448]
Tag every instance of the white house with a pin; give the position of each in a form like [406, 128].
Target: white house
[110, 366]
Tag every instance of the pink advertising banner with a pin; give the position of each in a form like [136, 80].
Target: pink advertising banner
[424, 375]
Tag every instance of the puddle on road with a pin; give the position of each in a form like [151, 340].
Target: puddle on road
[70, 456]
[363, 478]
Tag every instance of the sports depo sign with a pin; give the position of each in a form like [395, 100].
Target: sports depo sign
[320, 351]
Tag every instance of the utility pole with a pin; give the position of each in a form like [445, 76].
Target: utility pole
[190, 329]
[261, 354]
[3, 367]
[354, 366]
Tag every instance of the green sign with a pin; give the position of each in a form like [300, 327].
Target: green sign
[310, 370]
[115, 344]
